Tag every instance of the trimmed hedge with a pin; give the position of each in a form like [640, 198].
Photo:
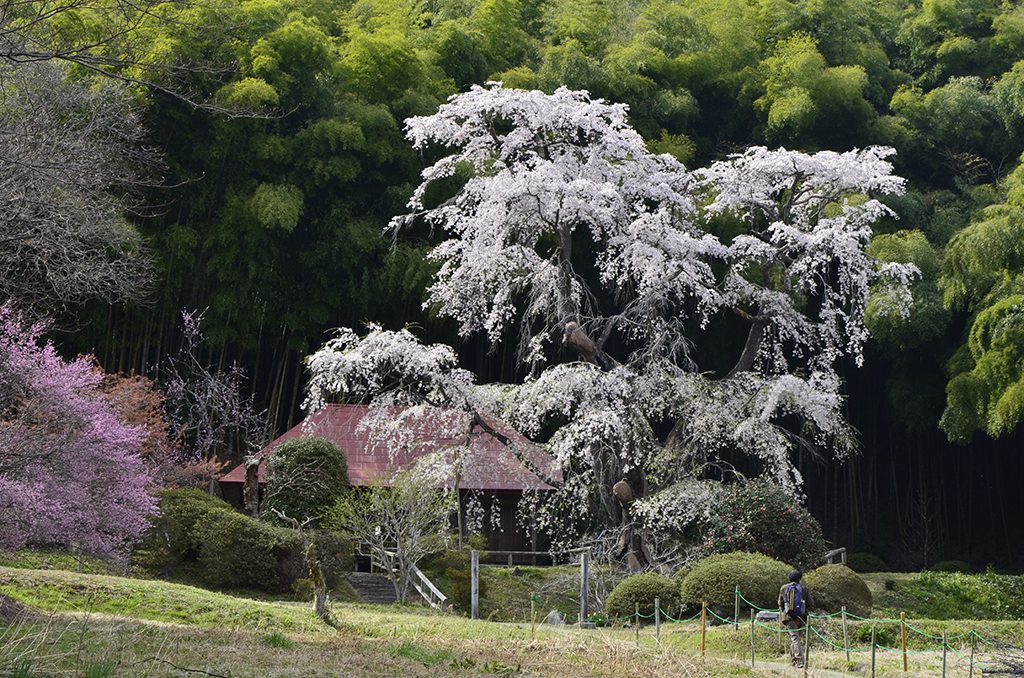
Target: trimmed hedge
[833, 586]
[305, 477]
[642, 589]
[714, 580]
[230, 549]
[866, 562]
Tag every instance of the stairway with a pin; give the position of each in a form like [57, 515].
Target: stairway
[372, 588]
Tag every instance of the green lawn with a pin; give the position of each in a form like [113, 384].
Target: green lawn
[102, 625]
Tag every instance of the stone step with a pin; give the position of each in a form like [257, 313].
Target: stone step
[372, 587]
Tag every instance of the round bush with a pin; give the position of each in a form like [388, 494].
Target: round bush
[236, 551]
[833, 586]
[866, 562]
[759, 516]
[642, 589]
[714, 580]
[305, 477]
[172, 537]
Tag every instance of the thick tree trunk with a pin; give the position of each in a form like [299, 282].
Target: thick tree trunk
[753, 344]
[251, 488]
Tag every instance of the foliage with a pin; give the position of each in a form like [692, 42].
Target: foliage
[175, 526]
[642, 589]
[714, 579]
[71, 473]
[400, 522]
[865, 562]
[761, 517]
[952, 566]
[833, 586]
[236, 551]
[954, 595]
[305, 477]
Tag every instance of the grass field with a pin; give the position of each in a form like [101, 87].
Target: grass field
[102, 625]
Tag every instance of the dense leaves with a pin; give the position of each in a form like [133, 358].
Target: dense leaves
[305, 477]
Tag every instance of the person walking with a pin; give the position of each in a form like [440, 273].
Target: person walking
[794, 601]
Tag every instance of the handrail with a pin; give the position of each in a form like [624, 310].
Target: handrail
[841, 552]
[434, 593]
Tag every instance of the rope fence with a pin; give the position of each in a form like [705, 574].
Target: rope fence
[963, 646]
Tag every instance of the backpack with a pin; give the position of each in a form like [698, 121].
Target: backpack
[794, 600]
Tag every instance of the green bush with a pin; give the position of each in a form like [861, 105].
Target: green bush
[450, 571]
[714, 580]
[866, 562]
[759, 516]
[833, 586]
[236, 551]
[642, 589]
[305, 477]
[181, 509]
[951, 566]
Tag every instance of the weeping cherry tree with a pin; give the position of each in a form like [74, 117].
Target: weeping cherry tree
[606, 265]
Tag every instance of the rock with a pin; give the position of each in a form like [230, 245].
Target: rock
[516, 572]
[554, 618]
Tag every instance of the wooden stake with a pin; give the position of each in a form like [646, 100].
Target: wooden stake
[974, 641]
[584, 586]
[474, 590]
[657, 620]
[807, 645]
[636, 622]
[903, 638]
[533, 616]
[703, 626]
[846, 637]
[736, 610]
[943, 654]
[752, 639]
[873, 651]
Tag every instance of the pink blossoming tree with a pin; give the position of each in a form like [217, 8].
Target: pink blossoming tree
[71, 473]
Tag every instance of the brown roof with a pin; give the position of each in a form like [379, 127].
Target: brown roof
[488, 464]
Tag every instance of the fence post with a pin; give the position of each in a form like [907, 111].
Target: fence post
[752, 638]
[807, 645]
[584, 585]
[703, 626]
[943, 654]
[736, 610]
[474, 590]
[974, 641]
[657, 620]
[872, 651]
[533, 615]
[903, 638]
[636, 622]
[846, 637]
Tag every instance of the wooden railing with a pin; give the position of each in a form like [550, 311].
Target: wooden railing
[421, 582]
[831, 555]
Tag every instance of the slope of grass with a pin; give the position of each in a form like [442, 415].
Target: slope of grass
[33, 559]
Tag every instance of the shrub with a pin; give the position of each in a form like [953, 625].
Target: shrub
[951, 566]
[866, 562]
[239, 552]
[954, 595]
[714, 580]
[833, 586]
[172, 538]
[759, 516]
[305, 477]
[642, 589]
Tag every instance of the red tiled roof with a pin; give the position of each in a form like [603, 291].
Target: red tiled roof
[488, 465]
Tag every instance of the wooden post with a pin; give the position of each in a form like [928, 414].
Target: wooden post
[903, 638]
[533, 615]
[751, 638]
[703, 625]
[846, 637]
[736, 610]
[943, 654]
[474, 591]
[974, 641]
[584, 585]
[807, 645]
[872, 651]
[657, 620]
[636, 622]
